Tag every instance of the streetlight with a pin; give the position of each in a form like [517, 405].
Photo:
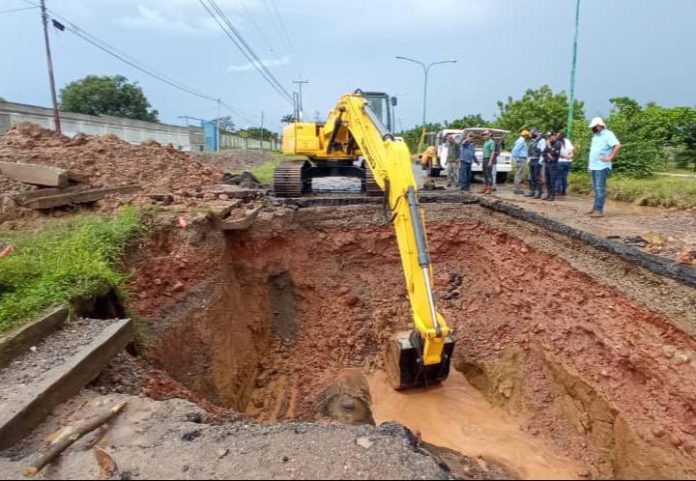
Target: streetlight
[426, 71]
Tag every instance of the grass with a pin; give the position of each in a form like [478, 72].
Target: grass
[73, 259]
[265, 171]
[656, 191]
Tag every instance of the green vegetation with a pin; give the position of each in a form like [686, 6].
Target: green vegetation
[74, 259]
[265, 171]
[657, 191]
[95, 95]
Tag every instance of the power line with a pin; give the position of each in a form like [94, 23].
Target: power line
[284, 31]
[256, 25]
[138, 65]
[23, 9]
[238, 40]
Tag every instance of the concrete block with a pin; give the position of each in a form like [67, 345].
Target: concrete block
[20, 414]
[83, 197]
[35, 174]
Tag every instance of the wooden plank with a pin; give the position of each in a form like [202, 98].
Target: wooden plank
[35, 174]
[30, 404]
[84, 197]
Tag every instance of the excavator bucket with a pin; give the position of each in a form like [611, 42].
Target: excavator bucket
[405, 366]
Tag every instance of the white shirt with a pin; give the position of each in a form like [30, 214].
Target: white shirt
[567, 151]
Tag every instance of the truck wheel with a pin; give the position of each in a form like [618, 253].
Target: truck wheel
[501, 178]
[433, 171]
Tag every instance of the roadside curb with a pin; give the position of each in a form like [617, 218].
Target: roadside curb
[19, 416]
[659, 265]
[21, 339]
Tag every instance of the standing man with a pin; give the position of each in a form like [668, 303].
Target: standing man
[489, 159]
[520, 153]
[467, 156]
[535, 152]
[552, 153]
[565, 163]
[452, 161]
[603, 152]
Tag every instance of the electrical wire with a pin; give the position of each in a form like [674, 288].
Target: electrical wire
[238, 40]
[23, 9]
[256, 25]
[283, 30]
[125, 58]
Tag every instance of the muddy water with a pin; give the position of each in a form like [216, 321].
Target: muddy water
[458, 417]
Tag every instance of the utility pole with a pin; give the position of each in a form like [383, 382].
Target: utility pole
[51, 78]
[262, 119]
[217, 127]
[301, 83]
[571, 105]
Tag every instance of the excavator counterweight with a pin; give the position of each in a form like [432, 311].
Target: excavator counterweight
[357, 140]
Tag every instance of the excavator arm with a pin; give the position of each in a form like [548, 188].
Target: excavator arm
[423, 356]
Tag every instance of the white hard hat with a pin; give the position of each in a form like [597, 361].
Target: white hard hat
[597, 122]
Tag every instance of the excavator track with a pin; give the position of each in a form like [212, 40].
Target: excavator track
[372, 189]
[287, 181]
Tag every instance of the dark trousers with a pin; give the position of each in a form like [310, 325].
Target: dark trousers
[488, 173]
[535, 176]
[562, 179]
[551, 176]
[464, 175]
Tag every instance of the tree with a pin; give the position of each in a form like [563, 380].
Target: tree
[258, 133]
[541, 108]
[226, 123]
[467, 121]
[95, 95]
[288, 119]
[546, 110]
[688, 155]
[648, 134]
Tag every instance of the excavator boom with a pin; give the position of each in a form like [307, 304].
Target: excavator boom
[353, 130]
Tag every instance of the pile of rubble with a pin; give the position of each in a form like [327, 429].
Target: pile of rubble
[40, 170]
[107, 161]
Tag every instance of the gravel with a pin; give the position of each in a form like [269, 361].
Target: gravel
[53, 351]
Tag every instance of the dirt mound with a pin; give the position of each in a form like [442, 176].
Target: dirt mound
[106, 161]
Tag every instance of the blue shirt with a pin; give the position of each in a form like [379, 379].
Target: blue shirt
[542, 147]
[467, 152]
[602, 145]
[520, 151]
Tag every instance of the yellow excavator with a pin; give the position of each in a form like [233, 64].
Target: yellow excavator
[357, 140]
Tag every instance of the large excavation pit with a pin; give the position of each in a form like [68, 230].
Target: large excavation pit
[569, 362]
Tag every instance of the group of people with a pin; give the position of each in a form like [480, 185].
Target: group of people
[547, 157]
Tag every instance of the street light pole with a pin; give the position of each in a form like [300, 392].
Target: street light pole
[571, 105]
[426, 73]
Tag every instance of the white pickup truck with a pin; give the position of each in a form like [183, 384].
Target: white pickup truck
[504, 159]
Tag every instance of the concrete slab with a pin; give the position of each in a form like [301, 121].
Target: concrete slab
[243, 223]
[83, 197]
[20, 340]
[35, 174]
[32, 403]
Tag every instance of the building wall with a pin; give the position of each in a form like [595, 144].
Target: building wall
[133, 131]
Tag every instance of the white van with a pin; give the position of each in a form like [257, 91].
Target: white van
[504, 159]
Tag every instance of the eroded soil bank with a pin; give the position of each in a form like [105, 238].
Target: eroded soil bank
[579, 348]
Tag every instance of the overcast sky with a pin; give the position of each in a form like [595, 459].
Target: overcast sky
[637, 48]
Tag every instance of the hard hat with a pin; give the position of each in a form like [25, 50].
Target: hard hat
[525, 132]
[597, 122]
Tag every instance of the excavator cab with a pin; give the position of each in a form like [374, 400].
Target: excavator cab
[329, 152]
